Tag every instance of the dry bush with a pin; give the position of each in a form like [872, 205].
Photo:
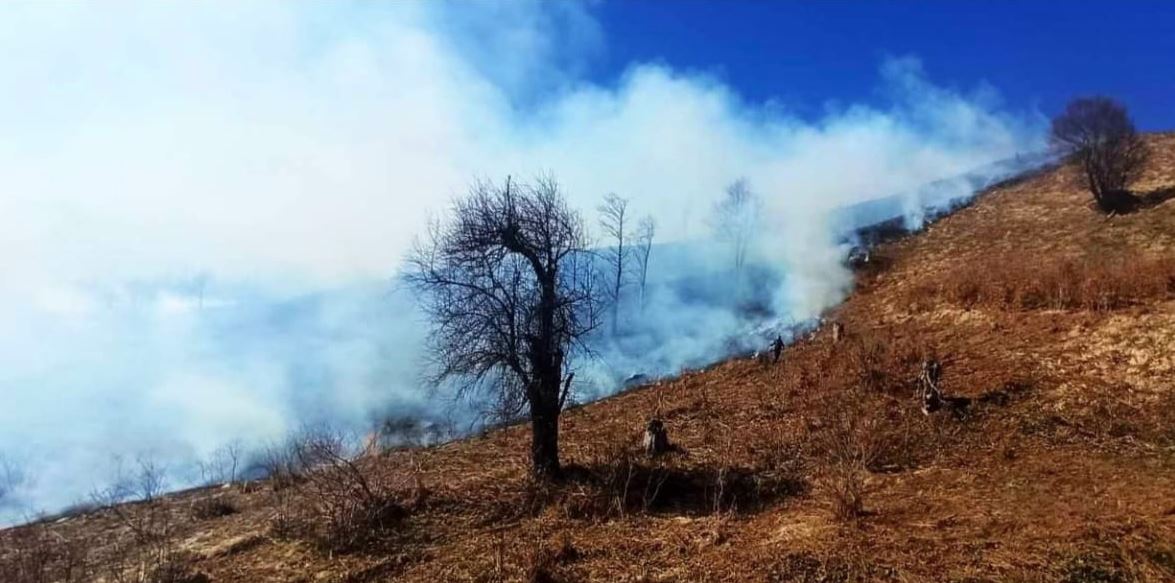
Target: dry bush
[33, 554]
[222, 465]
[211, 506]
[617, 482]
[877, 361]
[620, 481]
[324, 496]
[865, 357]
[279, 464]
[860, 432]
[1112, 412]
[280, 467]
[1110, 553]
[545, 559]
[865, 419]
[1097, 284]
[535, 558]
[150, 554]
[848, 444]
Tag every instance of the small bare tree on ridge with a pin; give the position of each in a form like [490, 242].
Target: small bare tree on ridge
[1101, 135]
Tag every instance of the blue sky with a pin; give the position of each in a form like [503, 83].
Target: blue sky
[803, 54]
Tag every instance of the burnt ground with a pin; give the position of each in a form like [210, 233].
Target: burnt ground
[1058, 321]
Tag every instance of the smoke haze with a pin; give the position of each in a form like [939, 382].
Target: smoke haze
[204, 206]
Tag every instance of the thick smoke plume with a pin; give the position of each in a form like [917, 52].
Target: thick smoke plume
[204, 206]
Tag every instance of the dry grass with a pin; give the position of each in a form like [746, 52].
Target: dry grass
[1024, 283]
[211, 507]
[819, 468]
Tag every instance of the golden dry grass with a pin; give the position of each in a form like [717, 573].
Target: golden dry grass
[1063, 471]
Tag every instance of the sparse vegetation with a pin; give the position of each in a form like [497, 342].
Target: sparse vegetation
[34, 554]
[222, 464]
[1097, 283]
[325, 496]
[212, 506]
[849, 443]
[151, 552]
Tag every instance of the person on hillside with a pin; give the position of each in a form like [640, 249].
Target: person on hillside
[777, 347]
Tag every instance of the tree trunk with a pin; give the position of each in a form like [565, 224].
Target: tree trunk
[544, 448]
[544, 394]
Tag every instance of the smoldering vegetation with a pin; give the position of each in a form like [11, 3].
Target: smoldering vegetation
[681, 306]
[257, 291]
[827, 437]
[703, 302]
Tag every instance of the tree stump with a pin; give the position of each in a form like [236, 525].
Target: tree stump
[932, 397]
[838, 332]
[656, 440]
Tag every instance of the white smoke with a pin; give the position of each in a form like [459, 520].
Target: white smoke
[203, 205]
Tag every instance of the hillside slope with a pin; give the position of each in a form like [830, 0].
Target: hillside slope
[1057, 321]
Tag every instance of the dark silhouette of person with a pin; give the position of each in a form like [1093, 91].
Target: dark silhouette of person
[777, 347]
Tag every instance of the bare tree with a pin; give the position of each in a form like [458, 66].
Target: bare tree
[148, 482]
[736, 217]
[10, 478]
[221, 466]
[614, 221]
[1101, 135]
[645, 229]
[507, 282]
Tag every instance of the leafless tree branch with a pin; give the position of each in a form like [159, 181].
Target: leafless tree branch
[507, 283]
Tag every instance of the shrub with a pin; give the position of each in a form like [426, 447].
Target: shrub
[150, 554]
[29, 554]
[622, 483]
[864, 418]
[848, 443]
[209, 507]
[323, 495]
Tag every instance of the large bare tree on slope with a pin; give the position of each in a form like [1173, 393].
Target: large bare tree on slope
[507, 282]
